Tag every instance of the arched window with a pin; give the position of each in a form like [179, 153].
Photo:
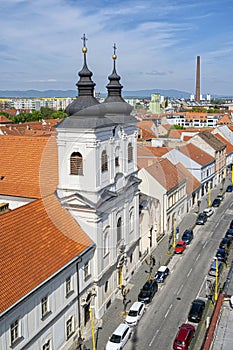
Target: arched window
[119, 230]
[106, 242]
[104, 161]
[131, 220]
[117, 159]
[76, 164]
[130, 152]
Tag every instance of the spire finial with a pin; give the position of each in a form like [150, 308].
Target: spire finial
[114, 56]
[84, 49]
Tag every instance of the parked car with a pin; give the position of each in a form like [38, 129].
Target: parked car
[229, 188]
[216, 202]
[208, 211]
[148, 291]
[119, 337]
[229, 233]
[180, 247]
[225, 243]
[221, 254]
[187, 236]
[184, 337]
[201, 219]
[162, 274]
[196, 310]
[231, 224]
[135, 313]
[212, 270]
[220, 196]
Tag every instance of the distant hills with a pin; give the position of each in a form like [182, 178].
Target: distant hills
[73, 93]
[172, 93]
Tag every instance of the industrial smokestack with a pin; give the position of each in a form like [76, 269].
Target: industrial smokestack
[198, 73]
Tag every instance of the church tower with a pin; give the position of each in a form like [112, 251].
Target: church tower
[98, 181]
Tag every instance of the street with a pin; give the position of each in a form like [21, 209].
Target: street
[187, 281]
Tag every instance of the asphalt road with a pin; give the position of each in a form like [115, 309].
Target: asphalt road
[187, 281]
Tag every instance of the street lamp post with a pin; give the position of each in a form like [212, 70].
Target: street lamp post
[174, 233]
[209, 199]
[124, 293]
[92, 328]
[216, 281]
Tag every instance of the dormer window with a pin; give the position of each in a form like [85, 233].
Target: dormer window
[104, 161]
[130, 152]
[76, 164]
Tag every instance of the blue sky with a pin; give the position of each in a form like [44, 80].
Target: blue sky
[157, 43]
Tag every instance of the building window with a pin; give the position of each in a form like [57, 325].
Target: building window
[104, 161]
[106, 242]
[131, 221]
[130, 152]
[87, 271]
[69, 288]
[14, 331]
[46, 346]
[76, 164]
[69, 327]
[117, 159]
[119, 230]
[106, 287]
[44, 306]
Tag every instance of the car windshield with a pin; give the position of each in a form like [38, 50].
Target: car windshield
[159, 274]
[144, 293]
[115, 338]
[179, 342]
[132, 313]
[179, 245]
[186, 235]
[146, 286]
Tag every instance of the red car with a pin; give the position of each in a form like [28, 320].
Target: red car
[180, 247]
[184, 337]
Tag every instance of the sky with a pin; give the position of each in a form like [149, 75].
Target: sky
[157, 44]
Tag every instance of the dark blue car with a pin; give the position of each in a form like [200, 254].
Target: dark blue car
[229, 188]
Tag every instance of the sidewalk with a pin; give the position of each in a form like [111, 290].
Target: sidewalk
[114, 315]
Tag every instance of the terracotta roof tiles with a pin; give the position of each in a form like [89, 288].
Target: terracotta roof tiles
[35, 248]
[28, 166]
[196, 154]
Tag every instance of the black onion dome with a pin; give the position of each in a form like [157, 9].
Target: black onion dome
[114, 87]
[85, 86]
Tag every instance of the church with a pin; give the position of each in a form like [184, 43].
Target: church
[70, 237]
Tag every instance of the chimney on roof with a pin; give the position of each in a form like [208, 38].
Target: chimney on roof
[198, 79]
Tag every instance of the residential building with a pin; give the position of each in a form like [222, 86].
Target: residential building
[164, 181]
[216, 148]
[43, 257]
[199, 163]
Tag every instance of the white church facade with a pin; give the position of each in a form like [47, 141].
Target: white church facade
[85, 233]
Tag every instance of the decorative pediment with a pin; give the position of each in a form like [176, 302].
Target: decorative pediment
[77, 200]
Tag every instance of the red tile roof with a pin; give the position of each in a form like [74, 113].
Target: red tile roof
[28, 166]
[158, 151]
[166, 173]
[36, 241]
[4, 119]
[196, 154]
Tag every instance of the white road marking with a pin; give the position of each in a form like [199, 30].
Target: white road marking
[204, 245]
[189, 272]
[152, 340]
[179, 290]
[197, 257]
[169, 309]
